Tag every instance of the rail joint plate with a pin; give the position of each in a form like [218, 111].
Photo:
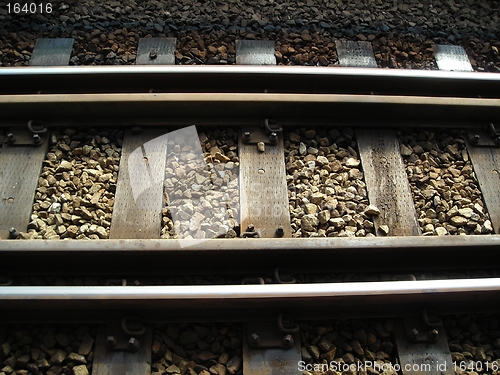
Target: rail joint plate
[111, 361]
[489, 136]
[271, 347]
[423, 347]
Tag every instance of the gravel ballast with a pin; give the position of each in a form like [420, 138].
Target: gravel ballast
[474, 342]
[202, 191]
[332, 347]
[326, 190]
[48, 350]
[197, 349]
[75, 194]
[304, 33]
[444, 187]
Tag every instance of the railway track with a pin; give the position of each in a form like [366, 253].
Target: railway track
[104, 177]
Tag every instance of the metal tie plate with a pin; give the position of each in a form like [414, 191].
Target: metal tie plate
[355, 54]
[255, 52]
[429, 355]
[451, 58]
[157, 51]
[270, 349]
[52, 52]
[111, 362]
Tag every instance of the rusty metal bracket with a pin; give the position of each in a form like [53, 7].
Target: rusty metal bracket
[422, 346]
[272, 126]
[267, 133]
[134, 360]
[32, 135]
[278, 276]
[489, 136]
[423, 329]
[125, 336]
[5, 281]
[272, 347]
[282, 333]
[284, 276]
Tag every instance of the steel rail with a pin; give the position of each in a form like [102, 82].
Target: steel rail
[357, 254]
[249, 301]
[235, 78]
[250, 106]
[241, 244]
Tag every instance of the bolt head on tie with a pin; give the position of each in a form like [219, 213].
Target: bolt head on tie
[273, 137]
[497, 141]
[133, 344]
[10, 138]
[13, 233]
[280, 231]
[153, 54]
[250, 228]
[254, 339]
[433, 334]
[475, 139]
[246, 136]
[111, 341]
[288, 341]
[37, 139]
[413, 334]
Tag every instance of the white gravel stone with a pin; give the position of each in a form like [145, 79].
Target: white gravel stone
[337, 222]
[466, 212]
[80, 370]
[324, 216]
[458, 220]
[372, 210]
[440, 231]
[309, 222]
[351, 162]
[384, 229]
[488, 228]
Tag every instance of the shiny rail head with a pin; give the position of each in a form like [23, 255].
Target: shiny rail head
[253, 291]
[248, 69]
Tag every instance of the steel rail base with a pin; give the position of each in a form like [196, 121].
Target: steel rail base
[241, 302]
[252, 107]
[357, 254]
